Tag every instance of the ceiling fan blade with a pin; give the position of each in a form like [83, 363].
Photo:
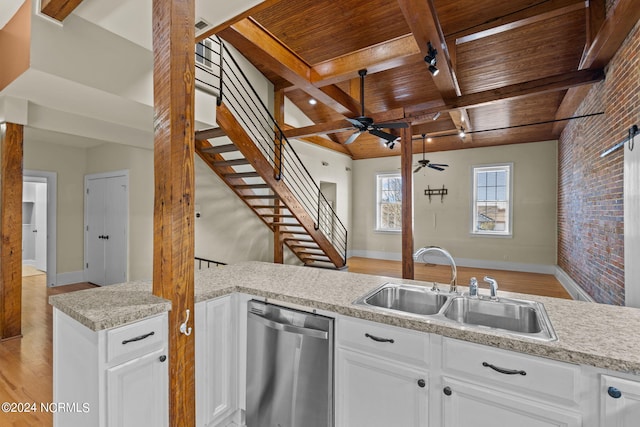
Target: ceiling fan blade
[383, 135]
[352, 137]
[355, 122]
[417, 169]
[440, 164]
[392, 125]
[438, 168]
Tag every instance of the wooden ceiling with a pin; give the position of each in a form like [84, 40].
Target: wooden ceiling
[502, 63]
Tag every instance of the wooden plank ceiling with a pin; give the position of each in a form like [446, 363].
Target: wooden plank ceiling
[509, 55]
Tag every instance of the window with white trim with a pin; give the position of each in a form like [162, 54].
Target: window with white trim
[492, 200]
[388, 202]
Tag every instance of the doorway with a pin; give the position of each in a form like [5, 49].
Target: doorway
[39, 222]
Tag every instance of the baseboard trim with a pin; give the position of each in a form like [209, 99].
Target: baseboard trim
[576, 292]
[467, 262]
[69, 278]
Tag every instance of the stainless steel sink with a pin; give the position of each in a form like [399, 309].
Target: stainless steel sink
[524, 317]
[516, 317]
[404, 298]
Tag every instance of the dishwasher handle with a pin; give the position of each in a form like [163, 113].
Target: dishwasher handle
[314, 333]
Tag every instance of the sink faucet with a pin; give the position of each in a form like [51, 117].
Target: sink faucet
[473, 287]
[493, 286]
[420, 254]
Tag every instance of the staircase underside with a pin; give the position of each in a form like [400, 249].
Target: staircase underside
[244, 168]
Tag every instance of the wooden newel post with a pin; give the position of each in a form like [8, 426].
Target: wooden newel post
[406, 160]
[173, 220]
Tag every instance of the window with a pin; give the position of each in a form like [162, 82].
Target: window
[204, 53]
[492, 207]
[389, 202]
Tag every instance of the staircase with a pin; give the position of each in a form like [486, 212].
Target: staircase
[262, 168]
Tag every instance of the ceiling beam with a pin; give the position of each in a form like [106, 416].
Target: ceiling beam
[531, 15]
[260, 45]
[58, 9]
[533, 87]
[320, 141]
[603, 47]
[247, 13]
[380, 57]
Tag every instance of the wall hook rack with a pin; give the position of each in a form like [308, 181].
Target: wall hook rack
[436, 192]
[183, 326]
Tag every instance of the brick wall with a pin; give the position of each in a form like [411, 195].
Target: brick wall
[590, 188]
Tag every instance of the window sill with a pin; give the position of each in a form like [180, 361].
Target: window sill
[493, 236]
[387, 231]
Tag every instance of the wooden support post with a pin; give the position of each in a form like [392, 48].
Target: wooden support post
[278, 112]
[406, 160]
[173, 220]
[11, 151]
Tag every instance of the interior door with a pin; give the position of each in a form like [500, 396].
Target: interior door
[41, 226]
[106, 229]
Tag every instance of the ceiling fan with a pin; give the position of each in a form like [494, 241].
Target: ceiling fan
[366, 124]
[426, 163]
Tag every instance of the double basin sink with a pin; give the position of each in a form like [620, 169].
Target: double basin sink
[513, 316]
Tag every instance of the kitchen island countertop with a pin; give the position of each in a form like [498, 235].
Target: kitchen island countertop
[592, 334]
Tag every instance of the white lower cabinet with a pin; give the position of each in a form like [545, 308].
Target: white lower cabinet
[110, 378]
[381, 376]
[216, 362]
[620, 402]
[134, 392]
[466, 404]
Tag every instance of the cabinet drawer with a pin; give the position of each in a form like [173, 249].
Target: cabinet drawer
[384, 340]
[536, 376]
[137, 338]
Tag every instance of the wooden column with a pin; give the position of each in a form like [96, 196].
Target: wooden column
[406, 159]
[173, 220]
[11, 151]
[278, 113]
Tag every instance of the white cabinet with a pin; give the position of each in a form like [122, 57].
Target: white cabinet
[381, 376]
[487, 387]
[216, 362]
[134, 392]
[108, 378]
[620, 402]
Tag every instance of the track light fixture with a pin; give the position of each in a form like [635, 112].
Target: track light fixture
[431, 59]
[462, 134]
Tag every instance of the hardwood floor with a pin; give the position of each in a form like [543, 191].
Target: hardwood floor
[512, 281]
[26, 370]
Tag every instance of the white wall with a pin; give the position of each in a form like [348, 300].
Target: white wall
[447, 223]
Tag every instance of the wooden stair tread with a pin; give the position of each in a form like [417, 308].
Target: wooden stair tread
[305, 246]
[298, 239]
[260, 196]
[286, 224]
[234, 162]
[204, 134]
[217, 149]
[242, 175]
[278, 215]
[250, 186]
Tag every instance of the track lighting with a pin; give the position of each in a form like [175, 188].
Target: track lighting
[431, 59]
[461, 134]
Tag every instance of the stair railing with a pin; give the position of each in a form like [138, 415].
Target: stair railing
[226, 77]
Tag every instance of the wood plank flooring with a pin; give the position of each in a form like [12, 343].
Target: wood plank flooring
[512, 281]
[26, 369]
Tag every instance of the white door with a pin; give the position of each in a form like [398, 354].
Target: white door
[137, 392]
[41, 226]
[376, 392]
[106, 205]
[620, 402]
[465, 405]
[632, 224]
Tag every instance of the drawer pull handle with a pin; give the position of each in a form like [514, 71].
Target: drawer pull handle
[163, 358]
[378, 339]
[447, 391]
[140, 338]
[422, 383]
[503, 370]
[614, 392]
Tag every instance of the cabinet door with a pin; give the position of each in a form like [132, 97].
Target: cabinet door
[137, 392]
[620, 402]
[464, 405]
[216, 360]
[377, 392]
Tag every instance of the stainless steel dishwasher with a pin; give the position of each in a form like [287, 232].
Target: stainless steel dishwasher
[289, 367]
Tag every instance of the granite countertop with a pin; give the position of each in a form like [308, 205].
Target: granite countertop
[592, 334]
